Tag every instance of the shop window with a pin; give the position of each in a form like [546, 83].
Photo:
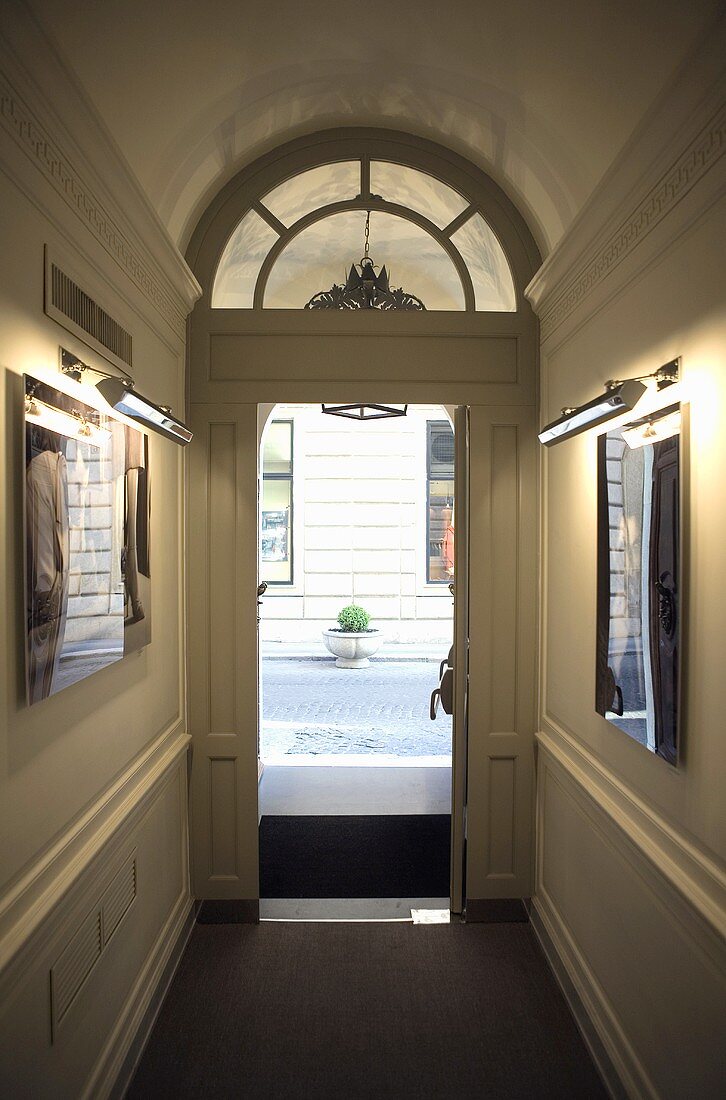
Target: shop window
[276, 550]
[439, 502]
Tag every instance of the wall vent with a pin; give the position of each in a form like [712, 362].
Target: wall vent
[68, 304]
[79, 957]
[118, 898]
[74, 966]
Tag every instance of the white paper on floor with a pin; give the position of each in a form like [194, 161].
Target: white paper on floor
[431, 916]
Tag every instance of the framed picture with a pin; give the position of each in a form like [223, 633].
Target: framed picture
[640, 588]
[87, 550]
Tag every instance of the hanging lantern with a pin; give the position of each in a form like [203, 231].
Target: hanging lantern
[366, 411]
[364, 289]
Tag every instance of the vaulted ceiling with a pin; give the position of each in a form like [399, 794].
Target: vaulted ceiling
[540, 95]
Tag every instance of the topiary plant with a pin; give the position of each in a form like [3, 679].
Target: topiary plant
[353, 619]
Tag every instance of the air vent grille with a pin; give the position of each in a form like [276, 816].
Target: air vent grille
[70, 305]
[79, 957]
[74, 965]
[118, 898]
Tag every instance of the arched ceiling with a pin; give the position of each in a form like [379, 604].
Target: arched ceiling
[541, 95]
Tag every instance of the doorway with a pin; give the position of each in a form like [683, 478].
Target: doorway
[252, 341]
[356, 520]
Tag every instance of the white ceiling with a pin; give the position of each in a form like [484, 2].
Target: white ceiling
[541, 95]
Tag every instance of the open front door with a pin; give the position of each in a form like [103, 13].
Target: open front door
[502, 660]
[461, 657]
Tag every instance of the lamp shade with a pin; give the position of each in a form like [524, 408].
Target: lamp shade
[121, 395]
[616, 400]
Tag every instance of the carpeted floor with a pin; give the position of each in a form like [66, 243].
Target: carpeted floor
[295, 1011]
[365, 856]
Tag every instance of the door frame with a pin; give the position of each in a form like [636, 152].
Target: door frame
[239, 358]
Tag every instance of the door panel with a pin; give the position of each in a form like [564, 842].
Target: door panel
[222, 540]
[502, 637]
[461, 656]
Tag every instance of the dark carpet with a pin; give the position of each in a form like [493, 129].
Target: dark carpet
[339, 1011]
[396, 856]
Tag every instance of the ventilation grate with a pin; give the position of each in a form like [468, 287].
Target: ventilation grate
[118, 898]
[79, 957]
[70, 305]
[74, 966]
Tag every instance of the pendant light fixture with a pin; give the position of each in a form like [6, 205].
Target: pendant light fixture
[364, 289]
[366, 411]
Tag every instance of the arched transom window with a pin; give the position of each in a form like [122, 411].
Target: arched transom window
[303, 236]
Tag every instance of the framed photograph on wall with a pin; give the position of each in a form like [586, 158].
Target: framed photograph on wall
[87, 548]
[640, 600]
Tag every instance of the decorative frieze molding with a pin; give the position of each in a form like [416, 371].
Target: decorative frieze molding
[697, 159]
[28, 132]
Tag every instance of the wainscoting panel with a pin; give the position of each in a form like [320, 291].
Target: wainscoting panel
[74, 993]
[649, 970]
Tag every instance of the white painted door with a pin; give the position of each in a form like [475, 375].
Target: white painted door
[461, 656]
[502, 657]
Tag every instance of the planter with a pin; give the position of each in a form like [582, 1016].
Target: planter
[352, 650]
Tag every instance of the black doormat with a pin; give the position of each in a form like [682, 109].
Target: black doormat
[396, 856]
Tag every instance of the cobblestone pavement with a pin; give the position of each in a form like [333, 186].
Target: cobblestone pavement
[312, 707]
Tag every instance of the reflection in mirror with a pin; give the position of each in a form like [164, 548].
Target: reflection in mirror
[639, 586]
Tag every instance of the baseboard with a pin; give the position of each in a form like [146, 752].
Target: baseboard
[496, 911]
[573, 981]
[229, 911]
[121, 1055]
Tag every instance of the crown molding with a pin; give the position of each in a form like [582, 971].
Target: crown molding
[675, 147]
[77, 156]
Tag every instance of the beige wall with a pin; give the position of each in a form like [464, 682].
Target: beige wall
[630, 886]
[95, 775]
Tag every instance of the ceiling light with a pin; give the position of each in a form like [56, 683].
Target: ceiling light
[366, 412]
[619, 397]
[653, 429]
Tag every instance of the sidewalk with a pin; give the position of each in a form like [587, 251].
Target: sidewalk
[389, 651]
[312, 708]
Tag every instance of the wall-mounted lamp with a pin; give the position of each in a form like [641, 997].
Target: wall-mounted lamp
[120, 394]
[652, 429]
[72, 424]
[619, 397]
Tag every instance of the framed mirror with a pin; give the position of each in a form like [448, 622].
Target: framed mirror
[640, 591]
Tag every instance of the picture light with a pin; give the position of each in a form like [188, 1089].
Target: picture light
[619, 397]
[119, 392]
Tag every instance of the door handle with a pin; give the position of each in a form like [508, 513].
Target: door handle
[261, 589]
[443, 694]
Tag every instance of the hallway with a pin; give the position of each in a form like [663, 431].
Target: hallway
[365, 1010]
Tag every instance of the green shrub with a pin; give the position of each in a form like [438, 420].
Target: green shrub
[353, 619]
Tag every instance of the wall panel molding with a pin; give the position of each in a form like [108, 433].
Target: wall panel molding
[638, 956]
[698, 878]
[672, 155]
[27, 904]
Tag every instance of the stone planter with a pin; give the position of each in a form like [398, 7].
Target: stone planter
[352, 650]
